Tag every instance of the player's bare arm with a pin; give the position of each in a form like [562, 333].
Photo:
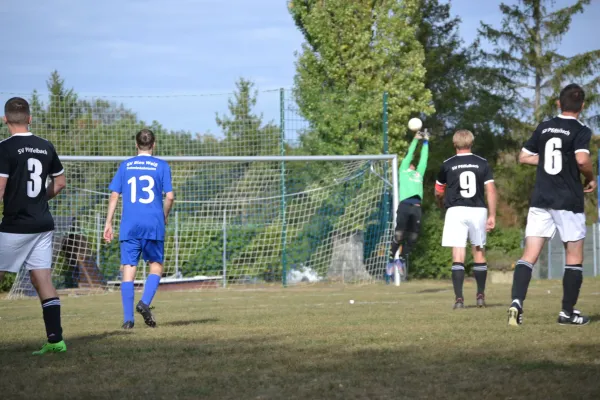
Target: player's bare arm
[491, 195]
[584, 163]
[112, 206]
[528, 158]
[440, 191]
[57, 185]
[168, 205]
[3, 182]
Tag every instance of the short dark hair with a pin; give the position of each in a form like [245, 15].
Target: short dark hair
[16, 111]
[572, 98]
[145, 139]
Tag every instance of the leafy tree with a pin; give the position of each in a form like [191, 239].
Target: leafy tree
[465, 92]
[244, 131]
[525, 50]
[354, 51]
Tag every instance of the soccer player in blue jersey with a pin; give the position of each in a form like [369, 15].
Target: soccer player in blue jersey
[141, 180]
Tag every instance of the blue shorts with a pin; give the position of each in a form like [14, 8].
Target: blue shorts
[150, 250]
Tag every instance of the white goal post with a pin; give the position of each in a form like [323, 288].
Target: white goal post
[237, 220]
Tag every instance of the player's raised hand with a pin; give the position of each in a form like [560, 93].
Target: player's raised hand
[590, 186]
[418, 136]
[491, 223]
[108, 233]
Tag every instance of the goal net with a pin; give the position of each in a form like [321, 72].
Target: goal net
[237, 220]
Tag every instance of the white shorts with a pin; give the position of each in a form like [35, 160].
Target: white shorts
[34, 250]
[544, 223]
[464, 223]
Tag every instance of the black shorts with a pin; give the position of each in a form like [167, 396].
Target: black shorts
[408, 218]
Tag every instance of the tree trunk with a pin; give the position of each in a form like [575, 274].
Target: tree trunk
[537, 43]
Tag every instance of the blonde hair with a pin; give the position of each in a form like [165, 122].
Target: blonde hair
[463, 139]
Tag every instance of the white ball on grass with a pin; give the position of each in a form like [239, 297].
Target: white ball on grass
[415, 124]
[351, 301]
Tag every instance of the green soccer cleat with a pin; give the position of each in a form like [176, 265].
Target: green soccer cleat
[59, 347]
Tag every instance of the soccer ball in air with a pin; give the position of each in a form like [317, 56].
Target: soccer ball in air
[415, 124]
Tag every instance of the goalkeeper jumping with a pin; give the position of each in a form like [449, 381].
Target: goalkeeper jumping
[408, 217]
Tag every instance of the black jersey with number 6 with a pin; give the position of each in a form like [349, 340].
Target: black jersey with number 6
[557, 183]
[465, 176]
[27, 161]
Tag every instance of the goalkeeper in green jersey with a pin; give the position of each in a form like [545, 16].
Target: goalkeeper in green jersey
[408, 217]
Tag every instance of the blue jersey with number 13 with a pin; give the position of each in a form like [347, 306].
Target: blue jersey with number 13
[142, 180]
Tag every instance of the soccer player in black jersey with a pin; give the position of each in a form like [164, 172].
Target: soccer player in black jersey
[560, 149]
[460, 188]
[26, 162]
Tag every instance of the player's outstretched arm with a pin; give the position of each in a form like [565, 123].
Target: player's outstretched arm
[56, 186]
[492, 198]
[422, 167]
[112, 206]
[584, 162]
[528, 158]
[411, 153]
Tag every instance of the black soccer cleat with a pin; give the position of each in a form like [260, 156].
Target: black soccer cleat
[128, 325]
[480, 300]
[145, 312]
[459, 304]
[574, 319]
[515, 315]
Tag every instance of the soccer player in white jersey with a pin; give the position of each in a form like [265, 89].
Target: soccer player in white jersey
[559, 148]
[460, 187]
[26, 162]
[141, 180]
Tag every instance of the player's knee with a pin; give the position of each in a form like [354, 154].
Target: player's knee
[479, 255]
[156, 268]
[41, 279]
[399, 236]
[412, 237]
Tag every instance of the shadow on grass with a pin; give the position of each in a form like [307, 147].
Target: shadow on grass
[595, 318]
[432, 291]
[75, 341]
[266, 366]
[496, 305]
[190, 322]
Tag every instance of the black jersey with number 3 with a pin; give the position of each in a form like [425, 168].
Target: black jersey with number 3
[27, 161]
[465, 176]
[557, 183]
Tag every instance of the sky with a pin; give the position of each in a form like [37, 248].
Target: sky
[175, 61]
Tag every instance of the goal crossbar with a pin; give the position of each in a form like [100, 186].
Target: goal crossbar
[377, 157]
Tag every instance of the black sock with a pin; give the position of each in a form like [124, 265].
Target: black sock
[521, 279]
[458, 278]
[393, 250]
[51, 310]
[480, 271]
[572, 280]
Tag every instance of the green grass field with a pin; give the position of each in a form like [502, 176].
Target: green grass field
[308, 343]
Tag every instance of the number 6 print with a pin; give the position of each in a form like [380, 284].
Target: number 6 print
[553, 156]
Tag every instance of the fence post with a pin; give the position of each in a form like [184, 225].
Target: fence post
[550, 258]
[177, 244]
[386, 193]
[283, 219]
[595, 236]
[99, 230]
[224, 248]
[564, 259]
